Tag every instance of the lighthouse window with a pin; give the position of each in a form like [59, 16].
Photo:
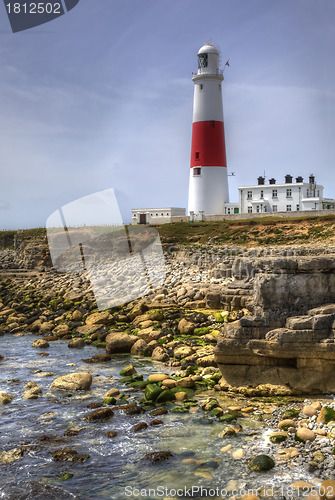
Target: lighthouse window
[203, 61]
[197, 155]
[201, 86]
[197, 171]
[212, 123]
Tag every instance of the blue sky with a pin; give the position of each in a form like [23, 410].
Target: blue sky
[102, 97]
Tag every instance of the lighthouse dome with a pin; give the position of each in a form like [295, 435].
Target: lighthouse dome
[208, 60]
[208, 48]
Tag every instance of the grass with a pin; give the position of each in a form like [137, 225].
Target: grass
[260, 231]
[7, 237]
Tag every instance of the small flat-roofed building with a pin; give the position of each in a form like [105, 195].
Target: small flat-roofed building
[155, 215]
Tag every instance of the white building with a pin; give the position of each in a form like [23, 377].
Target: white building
[155, 215]
[286, 197]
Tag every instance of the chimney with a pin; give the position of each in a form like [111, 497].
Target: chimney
[311, 179]
[288, 179]
[261, 180]
[299, 179]
[272, 181]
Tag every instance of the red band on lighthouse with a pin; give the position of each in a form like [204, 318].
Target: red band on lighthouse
[208, 144]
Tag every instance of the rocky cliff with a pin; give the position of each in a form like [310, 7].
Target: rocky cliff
[282, 298]
[289, 339]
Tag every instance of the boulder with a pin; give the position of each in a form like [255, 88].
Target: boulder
[139, 348]
[128, 371]
[46, 327]
[7, 457]
[61, 330]
[5, 398]
[160, 354]
[119, 342]
[182, 352]
[149, 334]
[304, 434]
[326, 415]
[158, 377]
[186, 327]
[261, 463]
[186, 382]
[309, 411]
[101, 414]
[77, 315]
[40, 344]
[99, 318]
[137, 311]
[111, 393]
[73, 382]
[76, 343]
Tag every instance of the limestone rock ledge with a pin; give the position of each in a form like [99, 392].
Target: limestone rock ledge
[299, 356]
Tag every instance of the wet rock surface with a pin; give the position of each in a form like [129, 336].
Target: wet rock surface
[181, 402]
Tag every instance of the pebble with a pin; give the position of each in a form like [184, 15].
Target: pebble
[305, 434]
[238, 454]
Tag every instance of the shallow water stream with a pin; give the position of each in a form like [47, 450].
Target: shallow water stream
[116, 468]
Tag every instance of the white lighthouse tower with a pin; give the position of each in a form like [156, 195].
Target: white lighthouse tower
[208, 187]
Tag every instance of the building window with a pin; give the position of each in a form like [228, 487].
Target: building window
[274, 208]
[265, 209]
[257, 208]
[162, 215]
[236, 211]
[228, 211]
[249, 210]
[288, 208]
[249, 195]
[318, 194]
[274, 193]
[288, 193]
[298, 208]
[197, 155]
[134, 216]
[151, 215]
[307, 193]
[167, 214]
[196, 171]
[262, 194]
[157, 215]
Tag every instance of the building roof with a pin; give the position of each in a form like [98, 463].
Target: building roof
[157, 209]
[208, 48]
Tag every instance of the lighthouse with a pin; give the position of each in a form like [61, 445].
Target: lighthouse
[208, 186]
